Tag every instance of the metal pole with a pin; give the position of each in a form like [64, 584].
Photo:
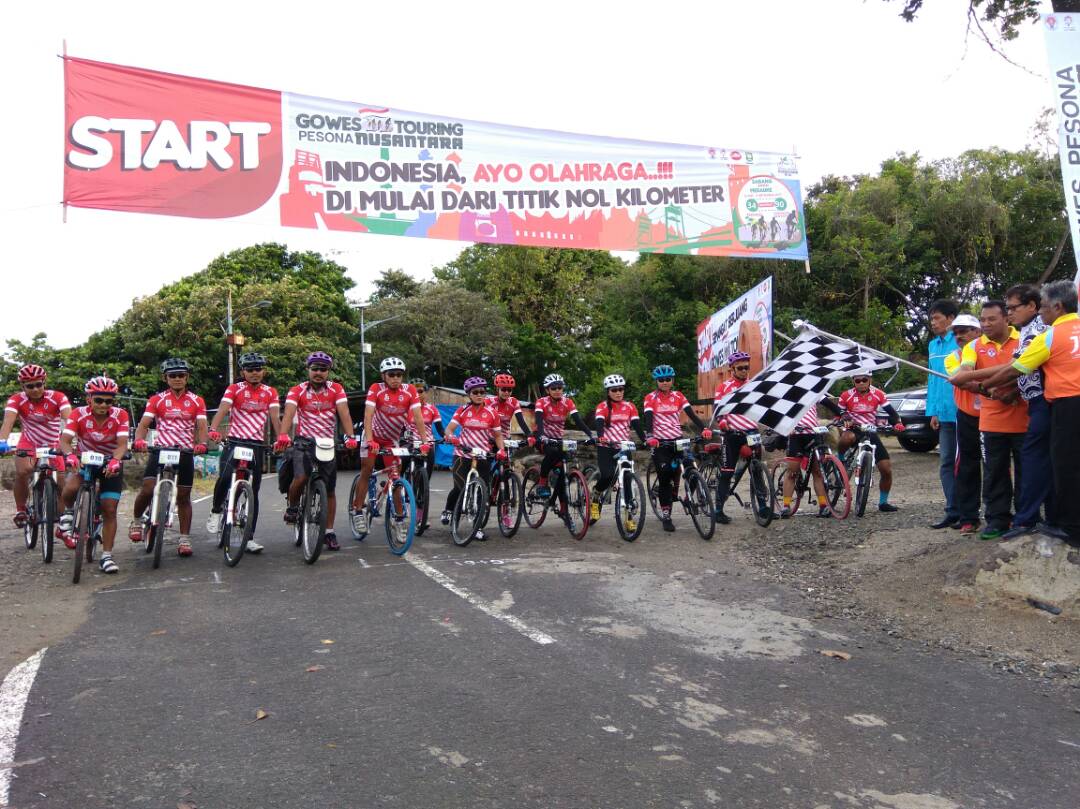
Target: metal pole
[229, 334]
[804, 325]
[363, 360]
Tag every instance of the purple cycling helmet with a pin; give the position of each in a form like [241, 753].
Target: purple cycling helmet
[320, 358]
[474, 382]
[738, 356]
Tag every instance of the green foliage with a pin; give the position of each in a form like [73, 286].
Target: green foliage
[1007, 16]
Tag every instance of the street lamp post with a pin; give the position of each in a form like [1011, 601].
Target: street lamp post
[227, 327]
[364, 347]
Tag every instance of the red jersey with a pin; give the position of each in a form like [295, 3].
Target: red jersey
[735, 421]
[808, 422]
[506, 408]
[666, 409]
[250, 406]
[93, 436]
[430, 414]
[862, 408]
[41, 420]
[393, 410]
[316, 410]
[479, 424]
[175, 417]
[555, 413]
[617, 417]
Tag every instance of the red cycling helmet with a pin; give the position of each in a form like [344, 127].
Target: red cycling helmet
[31, 373]
[504, 381]
[101, 384]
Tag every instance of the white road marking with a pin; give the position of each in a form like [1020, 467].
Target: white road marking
[362, 562]
[439, 577]
[1060, 741]
[217, 577]
[13, 694]
[201, 499]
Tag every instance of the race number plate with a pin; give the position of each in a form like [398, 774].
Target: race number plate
[821, 429]
[400, 452]
[868, 428]
[627, 446]
[511, 445]
[93, 459]
[569, 445]
[478, 452]
[682, 444]
[171, 456]
[42, 452]
[752, 439]
[243, 453]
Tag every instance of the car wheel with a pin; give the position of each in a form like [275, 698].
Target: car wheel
[913, 444]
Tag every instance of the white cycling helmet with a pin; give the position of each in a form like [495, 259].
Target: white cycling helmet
[392, 364]
[614, 381]
[553, 379]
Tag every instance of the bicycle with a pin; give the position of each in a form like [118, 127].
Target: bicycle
[473, 504]
[311, 514]
[833, 473]
[696, 500]
[418, 478]
[762, 487]
[506, 489]
[400, 501]
[87, 527]
[860, 462]
[162, 511]
[629, 492]
[42, 514]
[570, 481]
[238, 518]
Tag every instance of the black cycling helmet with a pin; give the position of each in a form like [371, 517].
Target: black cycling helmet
[252, 360]
[418, 383]
[175, 364]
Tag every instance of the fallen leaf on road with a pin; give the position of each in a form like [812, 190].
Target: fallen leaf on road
[327, 642]
[331, 745]
[315, 668]
[836, 654]
[260, 714]
[159, 632]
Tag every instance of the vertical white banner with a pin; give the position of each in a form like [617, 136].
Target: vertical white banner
[1063, 53]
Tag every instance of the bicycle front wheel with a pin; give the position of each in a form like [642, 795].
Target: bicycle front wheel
[313, 520]
[533, 505]
[652, 486]
[866, 480]
[84, 526]
[699, 503]
[469, 511]
[161, 517]
[630, 507]
[578, 502]
[779, 475]
[418, 479]
[353, 489]
[400, 516]
[508, 503]
[30, 527]
[837, 487]
[46, 518]
[236, 527]
[762, 493]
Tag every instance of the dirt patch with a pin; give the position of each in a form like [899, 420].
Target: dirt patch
[895, 573]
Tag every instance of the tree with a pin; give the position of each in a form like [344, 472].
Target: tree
[394, 284]
[1006, 15]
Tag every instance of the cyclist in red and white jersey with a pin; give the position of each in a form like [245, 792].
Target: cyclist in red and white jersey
[41, 413]
[98, 427]
[612, 419]
[735, 427]
[506, 404]
[663, 408]
[388, 407]
[249, 405]
[316, 406]
[474, 425]
[433, 432]
[798, 447]
[550, 414]
[180, 417]
[860, 405]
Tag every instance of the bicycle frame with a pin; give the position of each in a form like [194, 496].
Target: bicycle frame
[624, 467]
[168, 461]
[242, 458]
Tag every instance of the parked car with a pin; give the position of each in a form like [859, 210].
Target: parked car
[911, 405]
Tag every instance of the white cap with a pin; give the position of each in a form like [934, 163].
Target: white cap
[965, 321]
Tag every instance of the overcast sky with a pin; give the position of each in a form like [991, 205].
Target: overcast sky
[846, 82]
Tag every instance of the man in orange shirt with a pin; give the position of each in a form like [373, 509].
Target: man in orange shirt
[967, 462]
[1003, 417]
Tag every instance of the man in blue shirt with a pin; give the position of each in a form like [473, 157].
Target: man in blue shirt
[940, 404]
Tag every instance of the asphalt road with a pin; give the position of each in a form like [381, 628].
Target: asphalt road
[533, 672]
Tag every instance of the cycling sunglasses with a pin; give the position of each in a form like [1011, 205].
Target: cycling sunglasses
[506, 390]
[616, 390]
[33, 385]
[321, 369]
[741, 368]
[254, 368]
[860, 379]
[102, 400]
[482, 391]
[176, 374]
[393, 373]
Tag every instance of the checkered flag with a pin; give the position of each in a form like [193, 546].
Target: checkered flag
[797, 380]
